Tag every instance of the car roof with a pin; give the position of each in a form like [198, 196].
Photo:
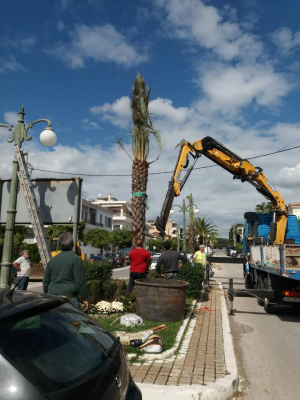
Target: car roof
[14, 302]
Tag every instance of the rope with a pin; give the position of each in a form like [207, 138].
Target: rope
[140, 194]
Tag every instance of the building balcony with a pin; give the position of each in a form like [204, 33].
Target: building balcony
[92, 222]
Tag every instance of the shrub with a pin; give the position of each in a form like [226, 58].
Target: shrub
[109, 289]
[193, 274]
[95, 291]
[101, 270]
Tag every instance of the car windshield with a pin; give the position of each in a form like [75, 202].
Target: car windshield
[56, 349]
[154, 259]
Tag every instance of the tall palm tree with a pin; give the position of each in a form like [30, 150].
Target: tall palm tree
[206, 228]
[142, 132]
[191, 233]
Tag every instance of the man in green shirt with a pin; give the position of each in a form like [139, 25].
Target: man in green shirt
[64, 274]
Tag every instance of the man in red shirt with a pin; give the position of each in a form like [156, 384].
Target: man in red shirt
[140, 261]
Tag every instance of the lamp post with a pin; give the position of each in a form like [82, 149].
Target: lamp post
[184, 209]
[19, 133]
[207, 240]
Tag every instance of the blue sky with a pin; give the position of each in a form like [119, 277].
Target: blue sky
[228, 69]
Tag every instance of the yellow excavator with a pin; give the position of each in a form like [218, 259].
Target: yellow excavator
[55, 249]
[240, 169]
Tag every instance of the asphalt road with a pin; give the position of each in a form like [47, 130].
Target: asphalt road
[267, 346]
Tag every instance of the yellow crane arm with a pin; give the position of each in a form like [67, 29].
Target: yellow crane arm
[240, 169]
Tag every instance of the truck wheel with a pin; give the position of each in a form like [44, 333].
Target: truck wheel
[269, 308]
[259, 285]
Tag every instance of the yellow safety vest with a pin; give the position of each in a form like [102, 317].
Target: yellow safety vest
[201, 257]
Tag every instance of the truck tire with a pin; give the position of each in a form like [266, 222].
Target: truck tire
[259, 285]
[269, 308]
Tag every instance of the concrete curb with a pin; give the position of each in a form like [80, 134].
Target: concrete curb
[222, 389]
[172, 350]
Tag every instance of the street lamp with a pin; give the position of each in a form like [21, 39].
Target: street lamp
[184, 209]
[207, 240]
[48, 138]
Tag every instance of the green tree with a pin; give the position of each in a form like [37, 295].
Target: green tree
[206, 230]
[53, 231]
[157, 243]
[222, 242]
[263, 208]
[98, 238]
[20, 233]
[121, 238]
[142, 131]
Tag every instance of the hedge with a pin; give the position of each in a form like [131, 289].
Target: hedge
[100, 284]
[193, 274]
[102, 270]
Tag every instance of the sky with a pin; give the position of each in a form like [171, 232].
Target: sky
[226, 69]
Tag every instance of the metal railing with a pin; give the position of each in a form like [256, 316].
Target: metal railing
[92, 222]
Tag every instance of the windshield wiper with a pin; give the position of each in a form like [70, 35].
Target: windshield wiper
[111, 352]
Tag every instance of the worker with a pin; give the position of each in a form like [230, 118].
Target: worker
[170, 259]
[200, 257]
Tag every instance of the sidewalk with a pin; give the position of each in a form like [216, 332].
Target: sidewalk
[203, 366]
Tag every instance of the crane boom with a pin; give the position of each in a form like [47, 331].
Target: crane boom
[240, 169]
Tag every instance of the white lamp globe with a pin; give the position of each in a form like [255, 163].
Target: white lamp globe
[48, 137]
[196, 211]
[172, 212]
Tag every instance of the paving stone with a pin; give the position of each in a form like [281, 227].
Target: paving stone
[149, 379]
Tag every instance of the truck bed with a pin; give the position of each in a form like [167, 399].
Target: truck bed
[283, 260]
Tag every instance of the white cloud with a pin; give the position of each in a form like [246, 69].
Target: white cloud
[97, 43]
[229, 88]
[204, 25]
[9, 63]
[118, 113]
[11, 117]
[90, 125]
[23, 44]
[286, 40]
[289, 177]
[164, 108]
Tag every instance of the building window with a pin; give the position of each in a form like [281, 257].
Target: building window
[100, 218]
[108, 222]
[117, 212]
[116, 227]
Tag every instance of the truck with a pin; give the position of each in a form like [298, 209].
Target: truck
[271, 242]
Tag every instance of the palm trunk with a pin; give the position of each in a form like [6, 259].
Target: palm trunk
[191, 225]
[139, 204]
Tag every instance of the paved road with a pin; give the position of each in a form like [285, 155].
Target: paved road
[267, 346]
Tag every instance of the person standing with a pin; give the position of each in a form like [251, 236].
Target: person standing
[140, 261]
[64, 274]
[172, 261]
[23, 266]
[200, 257]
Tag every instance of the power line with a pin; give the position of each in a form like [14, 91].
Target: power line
[163, 172]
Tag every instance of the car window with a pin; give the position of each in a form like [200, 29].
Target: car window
[56, 349]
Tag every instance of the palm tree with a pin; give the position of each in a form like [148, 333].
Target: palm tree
[263, 208]
[206, 228]
[191, 233]
[142, 132]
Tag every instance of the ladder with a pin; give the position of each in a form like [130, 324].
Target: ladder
[32, 206]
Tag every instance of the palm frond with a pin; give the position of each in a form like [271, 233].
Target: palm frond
[121, 144]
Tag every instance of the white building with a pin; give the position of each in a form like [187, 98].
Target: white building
[121, 210]
[294, 209]
[94, 216]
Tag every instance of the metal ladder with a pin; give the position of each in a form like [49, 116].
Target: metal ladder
[32, 206]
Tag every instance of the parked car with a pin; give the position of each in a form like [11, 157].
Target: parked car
[125, 253]
[51, 350]
[230, 251]
[117, 259]
[154, 261]
[98, 258]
